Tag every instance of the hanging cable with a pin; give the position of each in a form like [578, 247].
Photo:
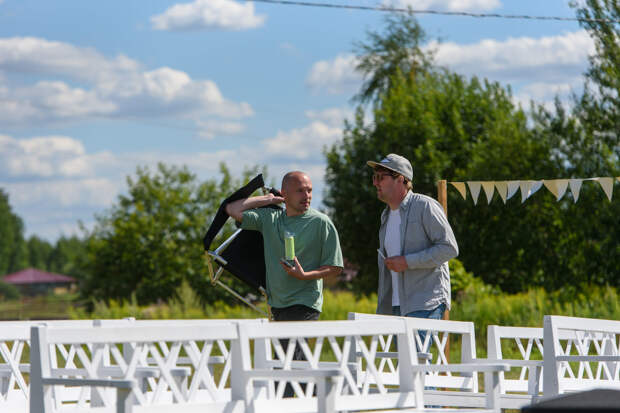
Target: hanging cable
[436, 12]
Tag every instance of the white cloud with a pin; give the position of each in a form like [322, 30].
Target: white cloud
[41, 157]
[333, 117]
[208, 15]
[210, 129]
[518, 59]
[112, 88]
[445, 5]
[44, 57]
[303, 143]
[64, 192]
[537, 68]
[335, 76]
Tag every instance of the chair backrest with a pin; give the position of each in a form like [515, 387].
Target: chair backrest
[327, 344]
[521, 344]
[580, 354]
[98, 352]
[14, 361]
[434, 336]
[14, 348]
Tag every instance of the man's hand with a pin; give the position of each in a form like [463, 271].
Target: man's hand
[396, 264]
[273, 199]
[235, 209]
[296, 271]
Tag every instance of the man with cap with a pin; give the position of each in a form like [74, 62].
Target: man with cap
[415, 244]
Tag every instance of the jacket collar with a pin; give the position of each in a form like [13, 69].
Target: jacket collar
[403, 207]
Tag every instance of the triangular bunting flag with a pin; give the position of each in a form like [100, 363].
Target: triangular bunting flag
[507, 189]
[529, 188]
[575, 187]
[502, 189]
[557, 187]
[489, 187]
[474, 188]
[513, 187]
[460, 186]
[607, 184]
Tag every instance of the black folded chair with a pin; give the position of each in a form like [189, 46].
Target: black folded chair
[242, 253]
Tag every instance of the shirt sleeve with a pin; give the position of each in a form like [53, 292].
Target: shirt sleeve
[443, 246]
[252, 220]
[330, 253]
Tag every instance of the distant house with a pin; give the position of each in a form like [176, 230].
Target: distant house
[32, 281]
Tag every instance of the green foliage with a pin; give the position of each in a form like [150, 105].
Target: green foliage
[150, 241]
[463, 282]
[447, 126]
[385, 54]
[16, 253]
[528, 308]
[67, 256]
[460, 129]
[42, 307]
[477, 302]
[8, 291]
[12, 245]
[39, 252]
[600, 108]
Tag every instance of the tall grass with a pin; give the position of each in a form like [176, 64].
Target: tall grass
[483, 306]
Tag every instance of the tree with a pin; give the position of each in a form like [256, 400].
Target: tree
[67, 256]
[39, 252]
[12, 245]
[600, 108]
[448, 126]
[460, 129]
[396, 50]
[151, 239]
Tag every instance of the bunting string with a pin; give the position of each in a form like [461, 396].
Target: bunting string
[507, 189]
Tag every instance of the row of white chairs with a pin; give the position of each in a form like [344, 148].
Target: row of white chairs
[369, 362]
[569, 354]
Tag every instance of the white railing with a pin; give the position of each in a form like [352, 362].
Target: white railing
[370, 362]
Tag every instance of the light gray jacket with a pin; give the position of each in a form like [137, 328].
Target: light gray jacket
[428, 243]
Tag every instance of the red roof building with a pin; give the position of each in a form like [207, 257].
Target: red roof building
[33, 281]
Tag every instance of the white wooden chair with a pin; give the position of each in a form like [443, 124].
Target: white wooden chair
[580, 354]
[14, 362]
[448, 384]
[98, 352]
[527, 343]
[329, 347]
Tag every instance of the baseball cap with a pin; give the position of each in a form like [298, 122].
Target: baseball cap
[395, 163]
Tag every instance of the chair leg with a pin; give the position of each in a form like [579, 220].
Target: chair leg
[494, 392]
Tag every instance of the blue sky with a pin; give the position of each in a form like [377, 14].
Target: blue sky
[91, 90]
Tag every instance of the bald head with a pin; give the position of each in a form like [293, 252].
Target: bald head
[297, 192]
[293, 177]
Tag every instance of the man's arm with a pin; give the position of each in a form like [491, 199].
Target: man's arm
[323, 271]
[443, 243]
[235, 209]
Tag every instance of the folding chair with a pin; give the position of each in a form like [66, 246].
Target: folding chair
[242, 253]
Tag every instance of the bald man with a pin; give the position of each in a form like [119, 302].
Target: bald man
[294, 293]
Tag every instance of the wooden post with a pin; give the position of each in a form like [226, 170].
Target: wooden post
[442, 194]
[442, 197]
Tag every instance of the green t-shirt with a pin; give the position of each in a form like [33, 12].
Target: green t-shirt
[316, 244]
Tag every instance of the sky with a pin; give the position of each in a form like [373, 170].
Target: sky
[90, 90]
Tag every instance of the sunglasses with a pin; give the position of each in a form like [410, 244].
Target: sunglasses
[378, 177]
